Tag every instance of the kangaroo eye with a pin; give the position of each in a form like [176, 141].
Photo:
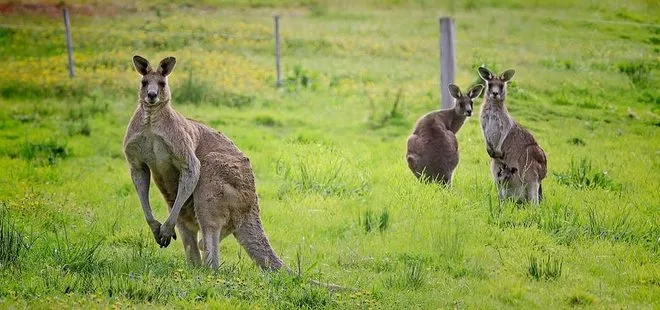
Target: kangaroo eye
[161, 84]
[144, 83]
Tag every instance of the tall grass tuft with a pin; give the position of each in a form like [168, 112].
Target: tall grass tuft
[329, 179]
[384, 221]
[560, 221]
[139, 288]
[371, 221]
[12, 243]
[82, 256]
[618, 228]
[368, 221]
[412, 277]
[581, 175]
[544, 269]
[415, 275]
[300, 78]
[450, 245]
[495, 210]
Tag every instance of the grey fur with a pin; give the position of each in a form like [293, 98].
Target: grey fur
[432, 151]
[505, 180]
[205, 179]
[509, 144]
[495, 119]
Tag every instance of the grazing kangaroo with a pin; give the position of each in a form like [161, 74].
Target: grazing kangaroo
[508, 143]
[432, 147]
[206, 180]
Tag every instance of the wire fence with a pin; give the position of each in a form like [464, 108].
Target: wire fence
[589, 35]
[602, 21]
[116, 31]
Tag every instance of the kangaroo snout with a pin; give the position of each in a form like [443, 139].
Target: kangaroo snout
[152, 96]
[468, 112]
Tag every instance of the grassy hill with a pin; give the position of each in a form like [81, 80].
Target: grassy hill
[338, 201]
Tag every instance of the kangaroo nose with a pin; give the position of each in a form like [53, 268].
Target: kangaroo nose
[152, 95]
[468, 112]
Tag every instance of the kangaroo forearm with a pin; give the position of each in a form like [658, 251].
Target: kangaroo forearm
[186, 186]
[187, 183]
[502, 137]
[498, 147]
[140, 177]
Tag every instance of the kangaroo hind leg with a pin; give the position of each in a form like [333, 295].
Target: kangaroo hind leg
[189, 239]
[533, 190]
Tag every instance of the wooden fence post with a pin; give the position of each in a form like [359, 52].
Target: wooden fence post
[278, 83]
[447, 59]
[67, 29]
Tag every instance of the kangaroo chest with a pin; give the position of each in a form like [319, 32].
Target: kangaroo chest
[495, 123]
[152, 150]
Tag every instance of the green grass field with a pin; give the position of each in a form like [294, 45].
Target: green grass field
[338, 201]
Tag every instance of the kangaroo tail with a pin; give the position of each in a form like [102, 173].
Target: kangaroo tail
[250, 234]
[411, 160]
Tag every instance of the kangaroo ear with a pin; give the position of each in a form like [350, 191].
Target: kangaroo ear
[141, 65]
[475, 91]
[454, 91]
[166, 66]
[508, 75]
[485, 74]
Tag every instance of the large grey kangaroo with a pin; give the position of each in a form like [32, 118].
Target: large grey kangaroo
[206, 180]
[509, 144]
[432, 147]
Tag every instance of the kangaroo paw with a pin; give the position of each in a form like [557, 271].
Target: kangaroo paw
[494, 153]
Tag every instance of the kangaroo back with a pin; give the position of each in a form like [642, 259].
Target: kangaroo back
[521, 149]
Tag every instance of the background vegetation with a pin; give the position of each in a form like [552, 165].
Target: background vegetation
[338, 201]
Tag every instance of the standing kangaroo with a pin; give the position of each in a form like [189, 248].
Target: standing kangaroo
[432, 147]
[206, 180]
[509, 144]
